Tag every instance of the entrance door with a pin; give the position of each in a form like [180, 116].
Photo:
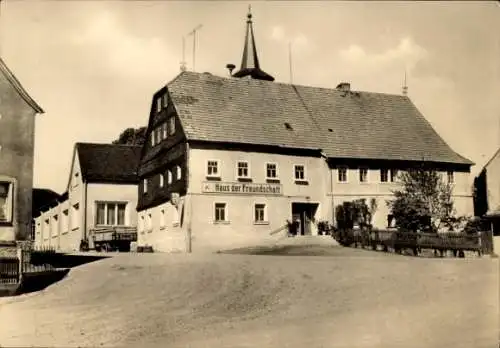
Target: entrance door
[304, 212]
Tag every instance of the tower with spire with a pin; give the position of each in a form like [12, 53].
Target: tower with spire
[250, 66]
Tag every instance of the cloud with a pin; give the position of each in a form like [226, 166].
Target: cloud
[406, 55]
[279, 34]
[120, 51]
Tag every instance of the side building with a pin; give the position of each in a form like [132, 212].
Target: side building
[487, 192]
[17, 140]
[101, 192]
[229, 160]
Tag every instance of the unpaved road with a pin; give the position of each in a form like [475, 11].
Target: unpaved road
[357, 299]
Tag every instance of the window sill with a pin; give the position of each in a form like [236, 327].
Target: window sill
[244, 179]
[272, 180]
[213, 178]
[65, 232]
[162, 228]
[6, 224]
[342, 182]
[175, 224]
[75, 228]
[261, 222]
[301, 182]
[222, 222]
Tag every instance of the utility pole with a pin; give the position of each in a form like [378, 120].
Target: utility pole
[290, 61]
[193, 32]
[405, 87]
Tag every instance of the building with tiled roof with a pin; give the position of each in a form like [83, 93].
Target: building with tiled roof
[487, 192]
[229, 160]
[101, 193]
[17, 141]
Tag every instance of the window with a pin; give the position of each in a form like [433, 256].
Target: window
[162, 218]
[260, 213]
[158, 104]
[55, 225]
[162, 180]
[394, 175]
[65, 221]
[169, 176]
[6, 201]
[171, 125]
[152, 138]
[212, 168]
[140, 224]
[342, 174]
[220, 212]
[299, 172]
[384, 175]
[271, 170]
[75, 217]
[242, 169]
[158, 135]
[178, 172]
[164, 130]
[451, 178]
[145, 185]
[149, 223]
[110, 214]
[363, 174]
[165, 100]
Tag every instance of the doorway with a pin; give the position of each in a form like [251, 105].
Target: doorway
[304, 213]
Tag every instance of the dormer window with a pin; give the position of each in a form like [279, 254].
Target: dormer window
[162, 180]
[288, 126]
[164, 130]
[145, 185]
[165, 100]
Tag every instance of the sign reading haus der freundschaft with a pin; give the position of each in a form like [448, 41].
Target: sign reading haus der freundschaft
[241, 188]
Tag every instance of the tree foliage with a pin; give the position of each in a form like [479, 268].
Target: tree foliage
[132, 136]
[357, 212]
[424, 201]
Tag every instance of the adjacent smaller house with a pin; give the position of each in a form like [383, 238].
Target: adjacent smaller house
[101, 192]
[487, 192]
[42, 199]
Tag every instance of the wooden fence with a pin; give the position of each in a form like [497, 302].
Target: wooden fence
[397, 241]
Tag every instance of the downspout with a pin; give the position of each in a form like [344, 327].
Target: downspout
[85, 214]
[331, 191]
[190, 209]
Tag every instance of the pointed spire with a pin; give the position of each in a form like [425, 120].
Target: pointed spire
[250, 62]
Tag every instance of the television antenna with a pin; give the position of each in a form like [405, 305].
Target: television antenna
[193, 33]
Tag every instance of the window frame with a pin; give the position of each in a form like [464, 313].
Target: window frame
[163, 220]
[75, 220]
[346, 170]
[178, 172]
[360, 170]
[450, 174]
[265, 220]
[145, 185]
[226, 213]
[10, 201]
[162, 180]
[171, 125]
[393, 176]
[65, 221]
[387, 175]
[218, 175]
[238, 176]
[304, 178]
[159, 104]
[276, 170]
[116, 214]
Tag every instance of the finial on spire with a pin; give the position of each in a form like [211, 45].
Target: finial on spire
[249, 15]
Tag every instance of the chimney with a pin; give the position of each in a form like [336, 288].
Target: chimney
[344, 87]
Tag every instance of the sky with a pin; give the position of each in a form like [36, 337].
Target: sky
[94, 66]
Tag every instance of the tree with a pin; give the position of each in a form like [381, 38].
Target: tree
[131, 136]
[424, 202]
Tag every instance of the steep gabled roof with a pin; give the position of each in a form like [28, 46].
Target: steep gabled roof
[495, 155]
[108, 162]
[343, 124]
[18, 87]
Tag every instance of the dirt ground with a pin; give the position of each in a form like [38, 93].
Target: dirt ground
[355, 299]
